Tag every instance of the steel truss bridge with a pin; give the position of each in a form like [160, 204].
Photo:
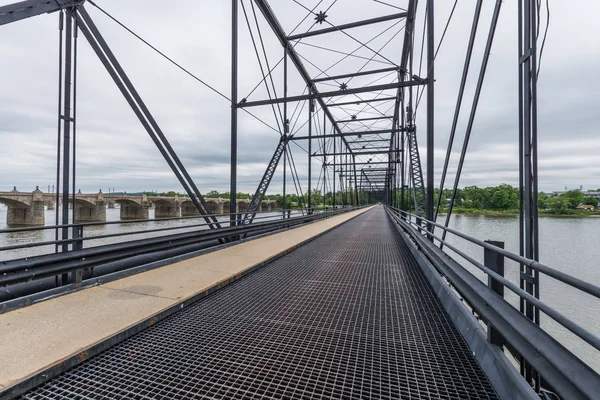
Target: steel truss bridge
[379, 303]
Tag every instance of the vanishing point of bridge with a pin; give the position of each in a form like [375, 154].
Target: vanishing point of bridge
[364, 299]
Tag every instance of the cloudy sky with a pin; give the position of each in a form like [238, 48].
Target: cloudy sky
[113, 149]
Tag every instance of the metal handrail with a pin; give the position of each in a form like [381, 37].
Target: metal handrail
[80, 257]
[587, 287]
[533, 264]
[111, 235]
[583, 333]
[135, 221]
[562, 370]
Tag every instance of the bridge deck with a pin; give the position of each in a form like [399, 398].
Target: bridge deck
[348, 315]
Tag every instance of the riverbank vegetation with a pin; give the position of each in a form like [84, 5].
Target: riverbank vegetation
[492, 200]
[504, 200]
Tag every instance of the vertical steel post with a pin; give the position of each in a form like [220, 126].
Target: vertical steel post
[66, 139]
[76, 275]
[495, 262]
[311, 105]
[334, 170]
[234, 76]
[356, 194]
[61, 20]
[324, 160]
[529, 235]
[286, 129]
[430, 111]
[402, 134]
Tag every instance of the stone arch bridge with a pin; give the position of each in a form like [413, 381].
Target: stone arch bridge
[28, 208]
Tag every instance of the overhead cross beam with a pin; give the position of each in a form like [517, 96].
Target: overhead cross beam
[348, 26]
[317, 95]
[356, 153]
[359, 102]
[346, 134]
[345, 121]
[353, 74]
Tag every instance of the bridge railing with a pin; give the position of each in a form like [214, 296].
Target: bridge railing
[540, 354]
[26, 277]
[77, 239]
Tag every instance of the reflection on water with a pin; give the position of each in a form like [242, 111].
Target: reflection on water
[566, 244]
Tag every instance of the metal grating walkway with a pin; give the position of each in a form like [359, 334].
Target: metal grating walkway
[348, 315]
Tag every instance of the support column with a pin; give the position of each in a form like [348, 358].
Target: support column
[22, 214]
[311, 106]
[356, 195]
[495, 262]
[67, 120]
[90, 210]
[234, 73]
[286, 127]
[167, 209]
[430, 111]
[528, 171]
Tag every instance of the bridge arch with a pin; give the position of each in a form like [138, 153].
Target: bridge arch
[167, 208]
[84, 202]
[132, 209]
[226, 207]
[24, 210]
[13, 203]
[88, 210]
[242, 205]
[214, 206]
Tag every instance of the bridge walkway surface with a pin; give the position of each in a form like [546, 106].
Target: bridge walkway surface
[347, 315]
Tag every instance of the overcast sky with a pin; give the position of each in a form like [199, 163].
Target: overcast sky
[113, 150]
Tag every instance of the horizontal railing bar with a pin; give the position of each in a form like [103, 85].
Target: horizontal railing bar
[570, 376]
[133, 221]
[548, 310]
[535, 265]
[31, 262]
[74, 240]
[83, 259]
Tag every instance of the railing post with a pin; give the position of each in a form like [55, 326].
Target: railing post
[77, 275]
[495, 262]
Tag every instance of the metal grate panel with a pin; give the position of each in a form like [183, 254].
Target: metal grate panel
[348, 315]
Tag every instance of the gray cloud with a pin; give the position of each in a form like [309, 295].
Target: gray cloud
[114, 150]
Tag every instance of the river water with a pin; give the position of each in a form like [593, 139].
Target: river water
[566, 244]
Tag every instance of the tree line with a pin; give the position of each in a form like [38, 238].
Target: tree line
[292, 199]
[506, 198]
[503, 198]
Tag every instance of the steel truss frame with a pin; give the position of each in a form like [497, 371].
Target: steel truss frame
[349, 146]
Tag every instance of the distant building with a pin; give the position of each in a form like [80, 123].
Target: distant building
[585, 207]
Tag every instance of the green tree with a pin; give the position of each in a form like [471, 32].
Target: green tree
[503, 197]
[559, 204]
[543, 200]
[475, 197]
[574, 197]
[592, 201]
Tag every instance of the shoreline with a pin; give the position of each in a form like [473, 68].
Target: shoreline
[491, 213]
